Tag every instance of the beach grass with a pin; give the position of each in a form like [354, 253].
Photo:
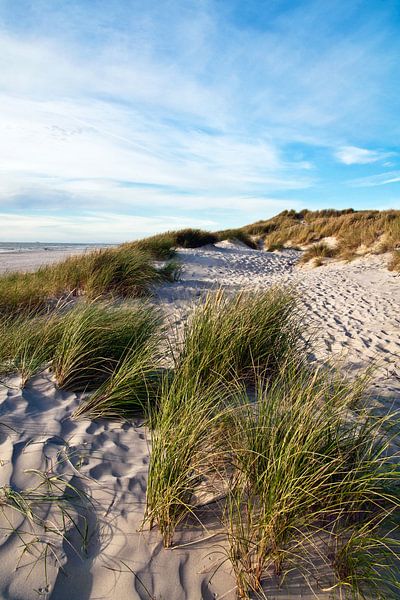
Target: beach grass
[95, 339]
[184, 436]
[230, 336]
[28, 342]
[307, 471]
[134, 384]
[83, 342]
[356, 232]
[312, 473]
[113, 272]
[163, 245]
[394, 264]
[317, 251]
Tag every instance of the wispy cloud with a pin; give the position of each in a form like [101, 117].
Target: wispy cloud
[377, 180]
[352, 155]
[91, 227]
[199, 111]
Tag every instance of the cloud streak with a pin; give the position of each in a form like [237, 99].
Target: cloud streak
[351, 155]
[199, 111]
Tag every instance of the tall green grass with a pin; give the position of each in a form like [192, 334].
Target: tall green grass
[95, 339]
[28, 342]
[310, 481]
[312, 472]
[122, 272]
[133, 386]
[228, 337]
[85, 344]
[183, 439]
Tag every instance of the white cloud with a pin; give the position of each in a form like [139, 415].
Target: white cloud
[91, 227]
[172, 106]
[97, 152]
[352, 155]
[377, 180]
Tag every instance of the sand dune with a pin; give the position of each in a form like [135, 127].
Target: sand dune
[355, 310]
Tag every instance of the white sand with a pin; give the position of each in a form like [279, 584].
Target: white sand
[356, 310]
[32, 260]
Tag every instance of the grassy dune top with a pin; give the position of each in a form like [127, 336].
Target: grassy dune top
[355, 232]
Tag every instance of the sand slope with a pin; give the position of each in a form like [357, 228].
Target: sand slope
[355, 309]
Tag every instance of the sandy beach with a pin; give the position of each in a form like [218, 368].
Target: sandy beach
[354, 309]
[33, 259]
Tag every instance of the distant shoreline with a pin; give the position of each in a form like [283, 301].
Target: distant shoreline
[32, 256]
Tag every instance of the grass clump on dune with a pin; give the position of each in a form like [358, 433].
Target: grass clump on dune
[27, 343]
[228, 337]
[237, 234]
[121, 271]
[133, 386]
[183, 437]
[309, 479]
[83, 344]
[95, 338]
[313, 475]
[162, 245]
[318, 251]
[394, 264]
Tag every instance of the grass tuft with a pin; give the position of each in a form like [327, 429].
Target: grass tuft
[95, 338]
[318, 251]
[228, 337]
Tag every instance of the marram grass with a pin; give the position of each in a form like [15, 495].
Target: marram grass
[230, 336]
[117, 272]
[312, 471]
[310, 481]
[95, 339]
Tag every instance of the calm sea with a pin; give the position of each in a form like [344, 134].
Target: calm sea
[13, 247]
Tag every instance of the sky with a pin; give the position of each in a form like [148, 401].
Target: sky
[124, 118]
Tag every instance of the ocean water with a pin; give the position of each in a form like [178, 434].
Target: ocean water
[15, 247]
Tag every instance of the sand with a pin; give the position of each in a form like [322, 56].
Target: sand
[355, 310]
[31, 260]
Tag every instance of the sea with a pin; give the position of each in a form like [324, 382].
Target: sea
[16, 247]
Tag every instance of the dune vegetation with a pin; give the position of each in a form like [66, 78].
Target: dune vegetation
[121, 272]
[162, 246]
[301, 473]
[356, 232]
[298, 466]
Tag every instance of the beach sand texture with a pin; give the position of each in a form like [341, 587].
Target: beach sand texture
[354, 308]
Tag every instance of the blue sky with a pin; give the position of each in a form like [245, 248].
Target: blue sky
[121, 118]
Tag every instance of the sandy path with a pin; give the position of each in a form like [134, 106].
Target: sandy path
[355, 309]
